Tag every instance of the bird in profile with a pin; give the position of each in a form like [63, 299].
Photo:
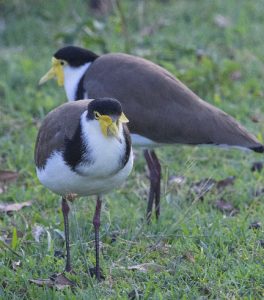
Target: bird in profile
[84, 148]
[161, 109]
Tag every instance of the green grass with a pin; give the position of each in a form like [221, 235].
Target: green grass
[225, 257]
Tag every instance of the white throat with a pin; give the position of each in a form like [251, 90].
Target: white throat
[105, 152]
[72, 77]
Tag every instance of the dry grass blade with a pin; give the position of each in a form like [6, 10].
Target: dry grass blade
[16, 265]
[222, 21]
[8, 176]
[226, 207]
[147, 267]
[236, 75]
[221, 184]
[37, 231]
[188, 256]
[10, 207]
[203, 186]
[206, 185]
[257, 118]
[59, 281]
[4, 245]
[176, 181]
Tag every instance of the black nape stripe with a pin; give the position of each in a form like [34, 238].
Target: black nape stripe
[128, 146]
[75, 149]
[80, 90]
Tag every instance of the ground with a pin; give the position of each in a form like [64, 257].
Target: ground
[201, 247]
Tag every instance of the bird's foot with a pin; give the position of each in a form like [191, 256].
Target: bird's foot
[70, 271]
[93, 272]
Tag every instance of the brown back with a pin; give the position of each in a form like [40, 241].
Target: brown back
[59, 124]
[159, 106]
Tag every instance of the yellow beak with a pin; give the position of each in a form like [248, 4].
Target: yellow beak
[109, 127]
[56, 71]
[113, 130]
[123, 118]
[49, 75]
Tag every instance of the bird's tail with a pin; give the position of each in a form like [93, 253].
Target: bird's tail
[226, 130]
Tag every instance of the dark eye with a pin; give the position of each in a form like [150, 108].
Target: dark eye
[96, 115]
[62, 63]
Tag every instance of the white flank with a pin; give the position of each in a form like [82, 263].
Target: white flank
[72, 76]
[228, 147]
[99, 177]
[141, 141]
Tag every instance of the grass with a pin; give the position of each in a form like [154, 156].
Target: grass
[200, 252]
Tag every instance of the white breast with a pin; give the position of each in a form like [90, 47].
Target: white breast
[60, 179]
[72, 77]
[105, 152]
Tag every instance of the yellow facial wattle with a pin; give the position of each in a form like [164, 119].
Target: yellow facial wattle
[56, 71]
[110, 127]
[105, 122]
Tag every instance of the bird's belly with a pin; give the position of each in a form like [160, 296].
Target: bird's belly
[60, 179]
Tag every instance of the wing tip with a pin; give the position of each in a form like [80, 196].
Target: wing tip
[258, 149]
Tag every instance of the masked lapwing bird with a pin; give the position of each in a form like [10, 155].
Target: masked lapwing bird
[161, 109]
[84, 148]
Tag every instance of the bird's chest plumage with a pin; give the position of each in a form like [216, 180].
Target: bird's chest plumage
[59, 178]
[104, 155]
[100, 169]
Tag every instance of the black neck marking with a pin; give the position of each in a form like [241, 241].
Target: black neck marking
[75, 151]
[79, 95]
[125, 158]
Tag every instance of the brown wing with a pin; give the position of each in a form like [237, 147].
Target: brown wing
[59, 124]
[159, 106]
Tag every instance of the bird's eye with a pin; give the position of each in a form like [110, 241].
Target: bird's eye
[96, 115]
[62, 63]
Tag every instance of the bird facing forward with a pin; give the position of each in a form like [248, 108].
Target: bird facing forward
[83, 148]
